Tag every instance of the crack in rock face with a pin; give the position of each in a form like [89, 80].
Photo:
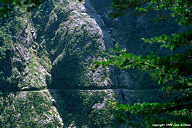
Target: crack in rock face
[49, 80]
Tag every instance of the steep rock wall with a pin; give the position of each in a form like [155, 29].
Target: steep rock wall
[46, 77]
[127, 31]
[24, 100]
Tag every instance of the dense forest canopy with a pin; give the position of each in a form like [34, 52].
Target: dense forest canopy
[172, 71]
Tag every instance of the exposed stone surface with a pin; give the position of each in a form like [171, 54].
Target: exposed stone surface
[47, 79]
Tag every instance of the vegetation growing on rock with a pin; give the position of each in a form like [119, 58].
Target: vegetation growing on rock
[47, 55]
[173, 71]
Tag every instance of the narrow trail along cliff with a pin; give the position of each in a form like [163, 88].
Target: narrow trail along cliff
[46, 77]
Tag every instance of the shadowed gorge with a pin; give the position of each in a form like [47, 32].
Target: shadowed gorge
[46, 71]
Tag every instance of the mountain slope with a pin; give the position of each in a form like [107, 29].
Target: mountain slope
[46, 58]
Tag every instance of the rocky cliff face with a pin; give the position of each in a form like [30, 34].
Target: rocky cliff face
[46, 75]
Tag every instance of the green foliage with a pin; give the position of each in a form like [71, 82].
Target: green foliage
[174, 41]
[5, 62]
[181, 9]
[79, 108]
[173, 71]
[31, 110]
[8, 6]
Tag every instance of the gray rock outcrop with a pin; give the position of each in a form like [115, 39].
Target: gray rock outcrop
[47, 79]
